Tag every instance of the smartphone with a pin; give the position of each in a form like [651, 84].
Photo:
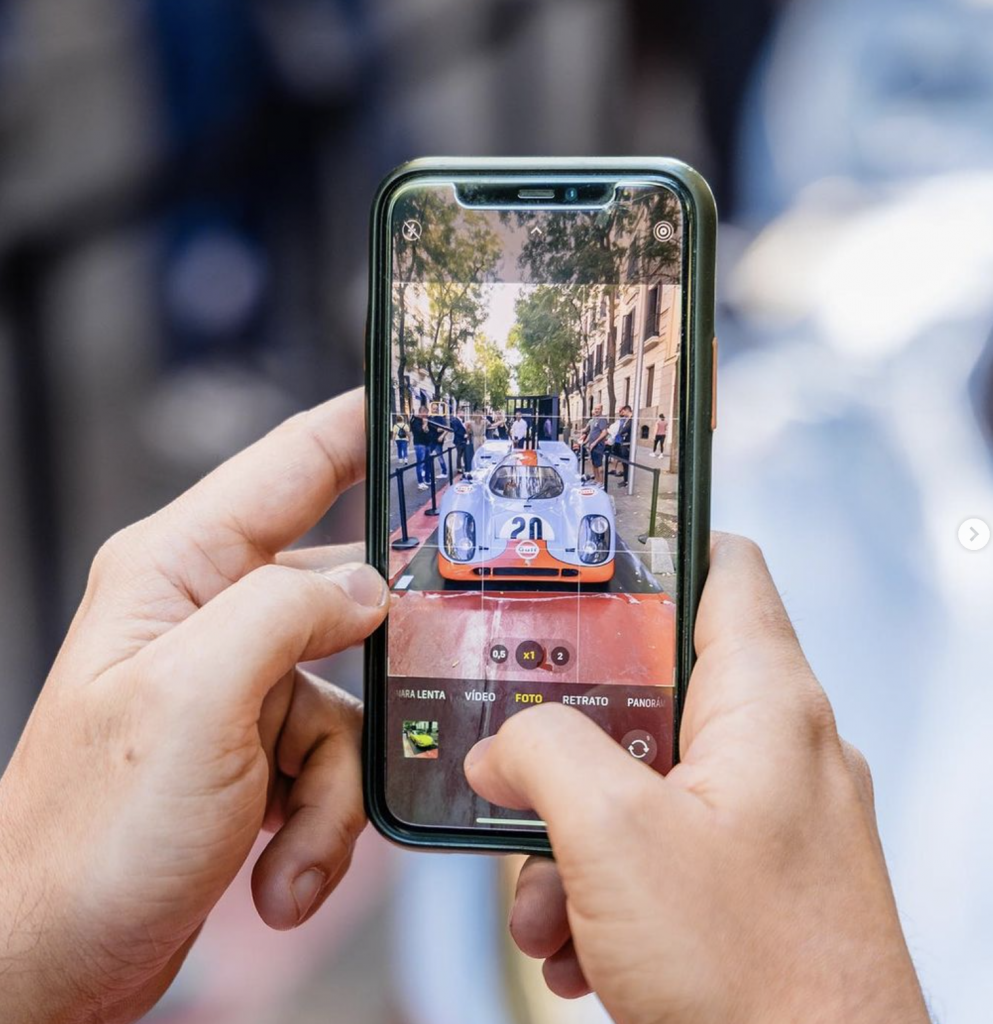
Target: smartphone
[540, 404]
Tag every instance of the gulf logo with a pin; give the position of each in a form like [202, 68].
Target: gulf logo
[587, 492]
[528, 550]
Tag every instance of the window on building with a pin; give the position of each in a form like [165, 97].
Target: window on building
[627, 334]
[649, 387]
[599, 358]
[627, 390]
[652, 314]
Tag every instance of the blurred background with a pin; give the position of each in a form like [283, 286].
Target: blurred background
[184, 187]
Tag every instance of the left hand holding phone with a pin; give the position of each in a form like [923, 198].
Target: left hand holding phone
[176, 724]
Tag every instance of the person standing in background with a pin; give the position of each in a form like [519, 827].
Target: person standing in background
[622, 444]
[439, 428]
[422, 431]
[477, 436]
[401, 436]
[661, 430]
[595, 440]
[518, 430]
[460, 437]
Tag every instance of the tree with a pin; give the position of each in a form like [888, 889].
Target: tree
[492, 364]
[456, 253]
[548, 334]
[455, 274]
[651, 257]
[599, 250]
[582, 248]
[412, 260]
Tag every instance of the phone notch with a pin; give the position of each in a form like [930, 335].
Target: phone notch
[528, 194]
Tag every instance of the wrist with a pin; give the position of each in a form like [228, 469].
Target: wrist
[36, 944]
[875, 986]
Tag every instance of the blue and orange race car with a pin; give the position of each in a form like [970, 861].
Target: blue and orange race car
[526, 515]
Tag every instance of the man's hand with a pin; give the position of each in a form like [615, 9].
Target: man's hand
[176, 722]
[748, 885]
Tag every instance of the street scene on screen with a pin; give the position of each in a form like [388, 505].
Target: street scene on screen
[534, 414]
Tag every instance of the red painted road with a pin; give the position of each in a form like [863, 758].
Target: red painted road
[622, 638]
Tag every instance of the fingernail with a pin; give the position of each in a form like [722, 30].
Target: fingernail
[478, 752]
[362, 584]
[305, 890]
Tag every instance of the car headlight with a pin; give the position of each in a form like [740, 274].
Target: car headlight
[460, 536]
[594, 540]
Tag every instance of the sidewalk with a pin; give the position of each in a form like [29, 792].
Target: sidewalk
[632, 513]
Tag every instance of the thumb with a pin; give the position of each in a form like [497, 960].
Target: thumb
[555, 761]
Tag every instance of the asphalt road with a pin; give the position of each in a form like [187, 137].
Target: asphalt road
[630, 576]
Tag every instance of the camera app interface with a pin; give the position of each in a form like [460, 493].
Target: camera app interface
[534, 457]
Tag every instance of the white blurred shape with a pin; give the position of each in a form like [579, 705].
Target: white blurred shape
[201, 415]
[869, 274]
[215, 284]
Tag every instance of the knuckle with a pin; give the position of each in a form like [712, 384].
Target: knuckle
[348, 825]
[274, 583]
[859, 768]
[116, 552]
[271, 576]
[279, 598]
[340, 711]
[818, 726]
[303, 425]
[736, 544]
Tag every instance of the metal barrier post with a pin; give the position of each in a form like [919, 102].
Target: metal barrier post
[433, 510]
[656, 473]
[406, 542]
[451, 469]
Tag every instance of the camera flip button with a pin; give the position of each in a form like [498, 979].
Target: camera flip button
[641, 745]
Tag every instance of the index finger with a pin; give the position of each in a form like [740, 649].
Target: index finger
[246, 511]
[272, 493]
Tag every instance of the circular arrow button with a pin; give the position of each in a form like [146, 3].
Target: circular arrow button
[641, 745]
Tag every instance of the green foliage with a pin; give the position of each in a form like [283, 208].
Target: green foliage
[594, 252]
[548, 334]
[457, 255]
[487, 382]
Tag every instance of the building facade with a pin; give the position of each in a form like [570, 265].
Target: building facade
[647, 332]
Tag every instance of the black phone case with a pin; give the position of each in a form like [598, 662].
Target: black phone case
[697, 419]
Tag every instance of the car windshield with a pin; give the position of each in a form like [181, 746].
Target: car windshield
[529, 482]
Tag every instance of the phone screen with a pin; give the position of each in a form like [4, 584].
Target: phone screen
[534, 456]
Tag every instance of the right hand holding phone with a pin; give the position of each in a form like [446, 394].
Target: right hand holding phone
[749, 885]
